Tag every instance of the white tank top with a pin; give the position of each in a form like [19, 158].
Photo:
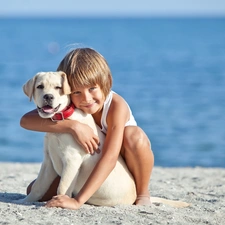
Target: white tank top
[107, 103]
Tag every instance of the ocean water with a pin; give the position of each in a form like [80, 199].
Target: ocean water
[170, 71]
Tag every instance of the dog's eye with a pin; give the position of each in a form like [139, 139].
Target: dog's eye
[58, 87]
[40, 86]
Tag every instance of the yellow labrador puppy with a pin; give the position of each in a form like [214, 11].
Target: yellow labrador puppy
[63, 156]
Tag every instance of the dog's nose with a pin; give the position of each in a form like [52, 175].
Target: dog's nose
[48, 97]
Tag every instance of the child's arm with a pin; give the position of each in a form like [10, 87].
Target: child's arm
[81, 132]
[117, 117]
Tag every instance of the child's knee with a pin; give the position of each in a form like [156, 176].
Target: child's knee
[135, 139]
[140, 141]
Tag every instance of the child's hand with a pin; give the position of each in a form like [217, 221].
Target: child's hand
[63, 201]
[86, 137]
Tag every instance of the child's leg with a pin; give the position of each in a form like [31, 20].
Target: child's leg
[52, 191]
[136, 151]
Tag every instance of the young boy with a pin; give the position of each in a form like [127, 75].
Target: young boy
[90, 79]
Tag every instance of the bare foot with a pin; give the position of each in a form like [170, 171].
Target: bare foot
[143, 200]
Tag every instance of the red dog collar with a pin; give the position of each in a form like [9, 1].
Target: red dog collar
[67, 112]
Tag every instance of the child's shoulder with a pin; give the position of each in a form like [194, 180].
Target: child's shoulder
[118, 99]
[116, 96]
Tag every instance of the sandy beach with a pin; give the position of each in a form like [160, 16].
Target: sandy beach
[203, 188]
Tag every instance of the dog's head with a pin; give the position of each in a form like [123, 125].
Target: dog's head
[50, 91]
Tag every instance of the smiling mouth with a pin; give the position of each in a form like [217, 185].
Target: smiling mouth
[88, 105]
[48, 109]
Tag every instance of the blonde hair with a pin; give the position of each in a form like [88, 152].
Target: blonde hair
[86, 67]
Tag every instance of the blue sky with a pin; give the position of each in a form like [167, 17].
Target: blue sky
[112, 8]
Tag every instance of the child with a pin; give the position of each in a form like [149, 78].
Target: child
[90, 79]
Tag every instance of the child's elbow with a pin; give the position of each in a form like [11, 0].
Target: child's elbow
[23, 121]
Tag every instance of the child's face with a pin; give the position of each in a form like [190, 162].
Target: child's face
[88, 99]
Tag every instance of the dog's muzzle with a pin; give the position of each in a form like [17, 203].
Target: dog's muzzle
[48, 98]
[48, 109]
[47, 106]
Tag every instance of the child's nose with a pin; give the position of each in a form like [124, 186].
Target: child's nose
[87, 97]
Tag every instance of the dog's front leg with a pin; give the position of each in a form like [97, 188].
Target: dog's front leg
[45, 178]
[69, 174]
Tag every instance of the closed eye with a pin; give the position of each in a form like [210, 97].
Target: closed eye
[41, 86]
[58, 87]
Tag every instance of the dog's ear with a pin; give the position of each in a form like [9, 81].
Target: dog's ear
[65, 84]
[28, 87]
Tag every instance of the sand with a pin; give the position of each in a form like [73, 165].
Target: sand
[204, 188]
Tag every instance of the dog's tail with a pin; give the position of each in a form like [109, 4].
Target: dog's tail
[176, 204]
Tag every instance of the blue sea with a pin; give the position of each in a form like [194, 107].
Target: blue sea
[170, 70]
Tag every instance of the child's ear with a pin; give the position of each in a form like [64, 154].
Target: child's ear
[28, 87]
[66, 87]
